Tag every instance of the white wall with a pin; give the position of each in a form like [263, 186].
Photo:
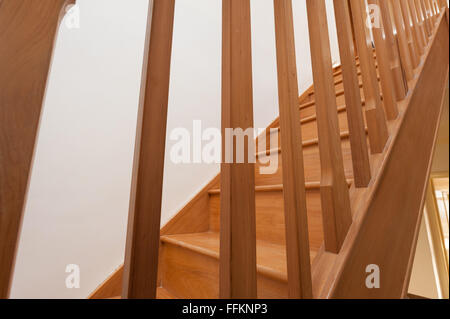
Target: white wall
[78, 199]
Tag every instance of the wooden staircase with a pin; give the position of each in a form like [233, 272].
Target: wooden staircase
[353, 161]
[189, 260]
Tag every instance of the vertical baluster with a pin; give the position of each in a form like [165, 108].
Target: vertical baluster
[335, 198]
[423, 20]
[142, 245]
[387, 82]
[27, 35]
[427, 18]
[409, 33]
[419, 23]
[358, 140]
[405, 53]
[416, 26]
[391, 45]
[431, 12]
[237, 214]
[375, 116]
[296, 221]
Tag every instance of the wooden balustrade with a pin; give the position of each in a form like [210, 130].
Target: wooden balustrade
[27, 37]
[384, 68]
[400, 83]
[353, 101]
[297, 240]
[375, 115]
[405, 53]
[237, 196]
[142, 245]
[335, 199]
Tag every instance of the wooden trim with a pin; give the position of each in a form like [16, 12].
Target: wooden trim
[142, 246]
[27, 37]
[297, 239]
[237, 218]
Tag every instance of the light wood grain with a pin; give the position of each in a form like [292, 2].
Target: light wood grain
[387, 81]
[405, 53]
[401, 85]
[238, 233]
[375, 115]
[334, 191]
[27, 35]
[353, 101]
[296, 222]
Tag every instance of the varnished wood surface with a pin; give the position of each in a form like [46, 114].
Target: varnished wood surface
[353, 100]
[238, 233]
[334, 191]
[142, 246]
[27, 36]
[296, 222]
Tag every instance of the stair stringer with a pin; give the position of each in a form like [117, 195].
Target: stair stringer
[386, 215]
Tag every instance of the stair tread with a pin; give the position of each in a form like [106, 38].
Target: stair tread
[278, 187]
[271, 258]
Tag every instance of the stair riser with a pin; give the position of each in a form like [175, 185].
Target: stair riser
[270, 217]
[311, 163]
[189, 274]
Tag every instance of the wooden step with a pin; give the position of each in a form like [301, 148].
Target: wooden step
[311, 157]
[270, 224]
[191, 266]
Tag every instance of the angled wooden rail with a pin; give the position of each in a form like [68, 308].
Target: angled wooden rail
[27, 35]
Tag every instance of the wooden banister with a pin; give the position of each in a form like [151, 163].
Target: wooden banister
[353, 101]
[142, 245]
[237, 197]
[405, 53]
[27, 36]
[296, 222]
[335, 199]
[387, 82]
[375, 116]
[400, 83]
